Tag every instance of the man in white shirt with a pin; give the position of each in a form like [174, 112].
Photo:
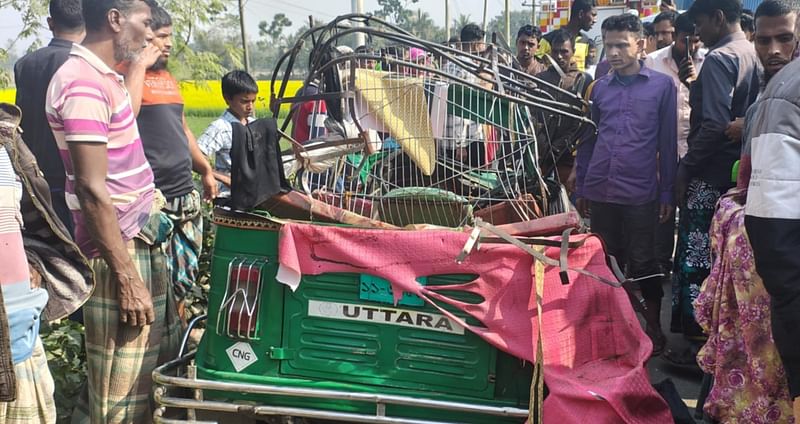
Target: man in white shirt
[668, 61]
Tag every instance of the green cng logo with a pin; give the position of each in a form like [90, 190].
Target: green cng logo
[383, 315]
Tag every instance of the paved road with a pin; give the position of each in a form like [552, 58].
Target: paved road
[686, 380]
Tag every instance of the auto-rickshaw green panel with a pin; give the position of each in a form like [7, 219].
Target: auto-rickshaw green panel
[396, 351]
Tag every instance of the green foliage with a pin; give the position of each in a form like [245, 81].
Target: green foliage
[420, 24]
[188, 15]
[220, 45]
[32, 11]
[395, 11]
[266, 54]
[275, 28]
[460, 22]
[198, 124]
[197, 66]
[66, 358]
[518, 19]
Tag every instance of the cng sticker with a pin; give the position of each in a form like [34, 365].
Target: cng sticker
[382, 315]
[241, 355]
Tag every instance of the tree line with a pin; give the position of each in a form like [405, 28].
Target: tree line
[208, 42]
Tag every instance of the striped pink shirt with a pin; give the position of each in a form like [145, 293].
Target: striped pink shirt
[87, 102]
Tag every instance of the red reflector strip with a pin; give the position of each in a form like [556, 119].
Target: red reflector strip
[242, 298]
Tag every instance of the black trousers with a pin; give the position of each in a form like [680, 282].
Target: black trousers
[629, 234]
[665, 244]
[776, 247]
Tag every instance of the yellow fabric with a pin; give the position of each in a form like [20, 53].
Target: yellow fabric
[579, 57]
[399, 103]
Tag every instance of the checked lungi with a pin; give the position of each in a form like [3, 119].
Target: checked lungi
[184, 241]
[121, 358]
[35, 388]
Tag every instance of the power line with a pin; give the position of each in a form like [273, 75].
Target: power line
[305, 9]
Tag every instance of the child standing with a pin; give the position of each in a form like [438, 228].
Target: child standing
[239, 90]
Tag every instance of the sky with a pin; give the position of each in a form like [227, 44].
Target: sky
[299, 10]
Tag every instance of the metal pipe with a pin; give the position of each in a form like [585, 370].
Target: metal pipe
[358, 7]
[160, 377]
[189, 329]
[281, 411]
[161, 420]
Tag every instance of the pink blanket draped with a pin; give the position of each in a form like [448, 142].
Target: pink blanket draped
[594, 347]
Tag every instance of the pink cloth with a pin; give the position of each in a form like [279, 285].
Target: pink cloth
[415, 53]
[594, 347]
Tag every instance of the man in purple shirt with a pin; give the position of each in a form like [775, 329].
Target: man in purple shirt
[625, 175]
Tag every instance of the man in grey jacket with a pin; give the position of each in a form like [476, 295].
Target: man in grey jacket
[773, 206]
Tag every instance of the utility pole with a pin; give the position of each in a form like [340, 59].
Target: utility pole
[485, 13]
[508, 22]
[358, 7]
[244, 37]
[447, 19]
[532, 4]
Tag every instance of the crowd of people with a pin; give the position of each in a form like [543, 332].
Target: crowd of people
[100, 217]
[679, 126]
[683, 106]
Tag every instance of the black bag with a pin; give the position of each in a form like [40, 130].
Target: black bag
[256, 164]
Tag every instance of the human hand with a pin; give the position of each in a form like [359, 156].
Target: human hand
[148, 56]
[584, 208]
[135, 303]
[36, 278]
[735, 130]
[665, 213]
[223, 178]
[687, 72]
[462, 155]
[572, 180]
[210, 189]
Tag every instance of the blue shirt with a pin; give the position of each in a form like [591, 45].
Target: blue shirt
[633, 159]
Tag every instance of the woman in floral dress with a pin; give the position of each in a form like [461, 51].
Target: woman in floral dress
[734, 309]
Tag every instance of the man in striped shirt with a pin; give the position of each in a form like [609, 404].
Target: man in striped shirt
[131, 323]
